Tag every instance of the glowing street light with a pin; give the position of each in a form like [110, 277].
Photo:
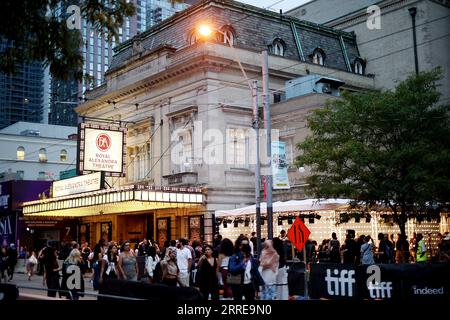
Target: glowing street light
[205, 30]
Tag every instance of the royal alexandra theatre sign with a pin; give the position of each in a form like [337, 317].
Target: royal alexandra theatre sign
[86, 183]
[102, 148]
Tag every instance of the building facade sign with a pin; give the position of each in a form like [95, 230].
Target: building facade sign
[102, 148]
[279, 165]
[80, 184]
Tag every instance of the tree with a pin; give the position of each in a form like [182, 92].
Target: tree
[387, 148]
[41, 30]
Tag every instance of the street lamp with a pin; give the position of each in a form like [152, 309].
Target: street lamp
[206, 31]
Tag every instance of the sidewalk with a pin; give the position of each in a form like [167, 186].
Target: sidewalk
[36, 287]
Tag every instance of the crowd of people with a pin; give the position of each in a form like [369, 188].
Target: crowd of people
[232, 270]
[364, 249]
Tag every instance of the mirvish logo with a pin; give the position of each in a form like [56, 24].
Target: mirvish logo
[103, 142]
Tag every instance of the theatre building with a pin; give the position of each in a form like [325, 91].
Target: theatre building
[132, 212]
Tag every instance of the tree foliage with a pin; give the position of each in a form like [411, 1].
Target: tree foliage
[390, 148]
[38, 30]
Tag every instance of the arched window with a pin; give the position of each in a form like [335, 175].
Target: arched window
[63, 155]
[42, 155]
[20, 153]
[358, 66]
[192, 38]
[278, 47]
[318, 57]
[226, 36]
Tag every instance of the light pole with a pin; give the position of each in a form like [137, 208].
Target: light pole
[268, 177]
[206, 31]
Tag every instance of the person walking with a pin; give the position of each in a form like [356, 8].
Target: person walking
[128, 263]
[244, 267]
[110, 265]
[282, 275]
[73, 262]
[268, 267]
[150, 262]
[12, 260]
[207, 274]
[421, 254]
[169, 268]
[49, 257]
[226, 251]
[31, 262]
[3, 264]
[334, 249]
[367, 251]
[184, 262]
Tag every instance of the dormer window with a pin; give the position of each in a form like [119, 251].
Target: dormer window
[227, 36]
[358, 66]
[278, 47]
[192, 38]
[318, 57]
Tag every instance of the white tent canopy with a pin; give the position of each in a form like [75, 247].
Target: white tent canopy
[289, 206]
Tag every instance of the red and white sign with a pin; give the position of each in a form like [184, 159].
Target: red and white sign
[103, 142]
[298, 234]
[102, 148]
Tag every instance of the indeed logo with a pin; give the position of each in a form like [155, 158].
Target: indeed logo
[341, 283]
[428, 291]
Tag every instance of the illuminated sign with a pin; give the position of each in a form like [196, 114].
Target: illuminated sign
[102, 148]
[89, 182]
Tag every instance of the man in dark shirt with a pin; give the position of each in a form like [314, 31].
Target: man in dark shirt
[51, 276]
[12, 260]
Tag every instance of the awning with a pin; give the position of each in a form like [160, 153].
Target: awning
[114, 201]
[289, 206]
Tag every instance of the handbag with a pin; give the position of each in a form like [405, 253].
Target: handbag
[234, 279]
[32, 260]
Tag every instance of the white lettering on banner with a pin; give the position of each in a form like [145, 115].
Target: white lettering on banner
[341, 283]
[428, 291]
[5, 226]
[89, 182]
[377, 289]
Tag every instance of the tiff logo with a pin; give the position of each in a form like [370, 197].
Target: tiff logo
[341, 283]
[377, 289]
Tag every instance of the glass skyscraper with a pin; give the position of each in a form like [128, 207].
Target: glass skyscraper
[97, 53]
[21, 94]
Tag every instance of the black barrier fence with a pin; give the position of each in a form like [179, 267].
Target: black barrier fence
[382, 281]
[147, 291]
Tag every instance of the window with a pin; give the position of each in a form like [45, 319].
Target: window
[358, 66]
[278, 47]
[237, 146]
[226, 36]
[42, 155]
[20, 174]
[41, 175]
[20, 153]
[318, 57]
[192, 38]
[63, 155]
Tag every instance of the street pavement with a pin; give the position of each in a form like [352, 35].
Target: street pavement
[36, 289]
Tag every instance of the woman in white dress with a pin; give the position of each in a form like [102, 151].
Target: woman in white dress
[269, 269]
